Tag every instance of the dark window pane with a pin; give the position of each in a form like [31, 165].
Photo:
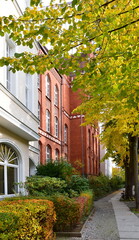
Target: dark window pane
[1, 180]
[12, 178]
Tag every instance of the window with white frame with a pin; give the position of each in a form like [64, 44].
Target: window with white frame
[48, 153]
[9, 170]
[56, 154]
[56, 95]
[10, 76]
[48, 86]
[28, 91]
[48, 120]
[56, 127]
[65, 134]
[38, 80]
[39, 111]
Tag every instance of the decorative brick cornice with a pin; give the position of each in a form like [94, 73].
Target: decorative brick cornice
[41, 132]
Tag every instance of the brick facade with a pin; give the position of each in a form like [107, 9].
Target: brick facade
[72, 142]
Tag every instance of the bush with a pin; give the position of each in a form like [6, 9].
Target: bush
[116, 182]
[27, 219]
[103, 185]
[90, 201]
[78, 184]
[100, 186]
[58, 169]
[85, 201]
[43, 186]
[67, 212]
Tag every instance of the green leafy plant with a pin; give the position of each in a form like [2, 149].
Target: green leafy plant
[78, 183]
[43, 186]
[103, 185]
[59, 169]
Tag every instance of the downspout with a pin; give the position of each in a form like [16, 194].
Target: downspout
[61, 101]
[82, 146]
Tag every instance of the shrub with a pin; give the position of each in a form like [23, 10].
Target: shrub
[58, 169]
[43, 186]
[103, 185]
[100, 185]
[27, 219]
[90, 201]
[116, 182]
[85, 201]
[78, 183]
[67, 212]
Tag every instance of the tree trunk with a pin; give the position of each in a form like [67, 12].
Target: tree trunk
[129, 180]
[134, 165]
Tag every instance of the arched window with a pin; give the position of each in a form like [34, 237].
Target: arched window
[56, 95]
[48, 121]
[48, 153]
[65, 134]
[9, 169]
[48, 86]
[56, 127]
[56, 154]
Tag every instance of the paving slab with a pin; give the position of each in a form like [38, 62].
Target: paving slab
[129, 238]
[130, 235]
[127, 222]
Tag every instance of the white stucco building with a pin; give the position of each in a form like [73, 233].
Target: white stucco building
[19, 151]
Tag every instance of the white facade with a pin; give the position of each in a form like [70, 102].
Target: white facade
[106, 165]
[19, 151]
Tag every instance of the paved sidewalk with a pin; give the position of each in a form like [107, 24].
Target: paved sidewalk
[127, 222]
[112, 220]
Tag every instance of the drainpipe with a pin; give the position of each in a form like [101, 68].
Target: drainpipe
[82, 146]
[61, 101]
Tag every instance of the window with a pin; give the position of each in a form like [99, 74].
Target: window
[56, 95]
[47, 121]
[28, 91]
[65, 134]
[56, 127]
[38, 80]
[89, 138]
[10, 76]
[39, 107]
[48, 86]
[56, 154]
[48, 153]
[9, 170]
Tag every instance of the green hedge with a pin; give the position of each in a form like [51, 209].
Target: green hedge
[78, 184]
[59, 169]
[27, 219]
[43, 186]
[103, 185]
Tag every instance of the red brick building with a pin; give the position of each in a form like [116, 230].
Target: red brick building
[60, 132]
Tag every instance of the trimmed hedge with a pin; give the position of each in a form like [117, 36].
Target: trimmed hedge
[43, 186]
[88, 195]
[67, 213]
[27, 219]
[102, 185]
